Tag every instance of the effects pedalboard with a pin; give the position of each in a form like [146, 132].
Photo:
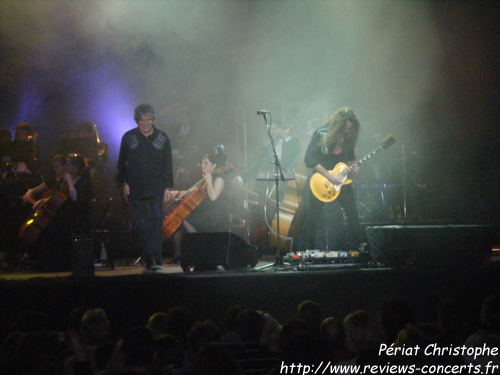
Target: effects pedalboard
[321, 259]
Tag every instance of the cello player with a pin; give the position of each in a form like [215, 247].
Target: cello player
[71, 217]
[146, 174]
[58, 171]
[212, 214]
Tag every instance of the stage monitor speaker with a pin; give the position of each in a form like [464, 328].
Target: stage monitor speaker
[207, 251]
[438, 247]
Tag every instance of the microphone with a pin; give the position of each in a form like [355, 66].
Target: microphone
[262, 112]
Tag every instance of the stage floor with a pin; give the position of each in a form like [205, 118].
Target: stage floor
[126, 267]
[129, 297]
[121, 268]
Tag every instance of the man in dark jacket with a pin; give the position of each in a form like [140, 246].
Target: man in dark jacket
[145, 172]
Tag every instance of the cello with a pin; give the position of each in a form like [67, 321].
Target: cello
[42, 217]
[182, 206]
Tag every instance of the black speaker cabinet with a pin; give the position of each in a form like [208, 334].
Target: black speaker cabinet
[83, 256]
[442, 247]
[207, 251]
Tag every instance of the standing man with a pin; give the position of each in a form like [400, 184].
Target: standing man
[287, 146]
[145, 172]
[332, 143]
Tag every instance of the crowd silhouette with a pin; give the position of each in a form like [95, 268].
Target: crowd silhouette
[247, 342]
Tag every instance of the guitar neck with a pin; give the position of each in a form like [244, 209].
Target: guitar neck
[362, 160]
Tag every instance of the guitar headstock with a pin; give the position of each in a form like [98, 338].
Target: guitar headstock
[388, 142]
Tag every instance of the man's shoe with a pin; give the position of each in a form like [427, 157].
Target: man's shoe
[147, 270]
[155, 268]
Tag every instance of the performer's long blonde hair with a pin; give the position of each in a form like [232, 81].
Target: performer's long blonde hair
[336, 126]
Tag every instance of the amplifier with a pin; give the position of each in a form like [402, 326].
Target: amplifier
[82, 252]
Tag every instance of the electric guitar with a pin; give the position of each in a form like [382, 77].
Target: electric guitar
[325, 191]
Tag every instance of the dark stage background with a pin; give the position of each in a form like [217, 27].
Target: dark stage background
[427, 72]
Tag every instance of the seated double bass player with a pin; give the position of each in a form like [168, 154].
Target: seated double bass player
[61, 215]
[207, 198]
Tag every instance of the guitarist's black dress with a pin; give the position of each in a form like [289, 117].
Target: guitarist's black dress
[314, 208]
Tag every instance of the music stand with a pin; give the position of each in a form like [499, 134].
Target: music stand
[276, 177]
[17, 151]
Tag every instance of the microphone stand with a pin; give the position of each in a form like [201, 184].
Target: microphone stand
[403, 153]
[278, 175]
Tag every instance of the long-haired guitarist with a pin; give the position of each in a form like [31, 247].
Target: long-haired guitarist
[332, 143]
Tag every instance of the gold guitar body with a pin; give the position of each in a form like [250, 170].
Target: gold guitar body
[323, 189]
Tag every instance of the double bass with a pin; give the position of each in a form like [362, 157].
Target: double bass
[180, 208]
[290, 208]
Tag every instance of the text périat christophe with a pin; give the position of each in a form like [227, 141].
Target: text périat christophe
[435, 350]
